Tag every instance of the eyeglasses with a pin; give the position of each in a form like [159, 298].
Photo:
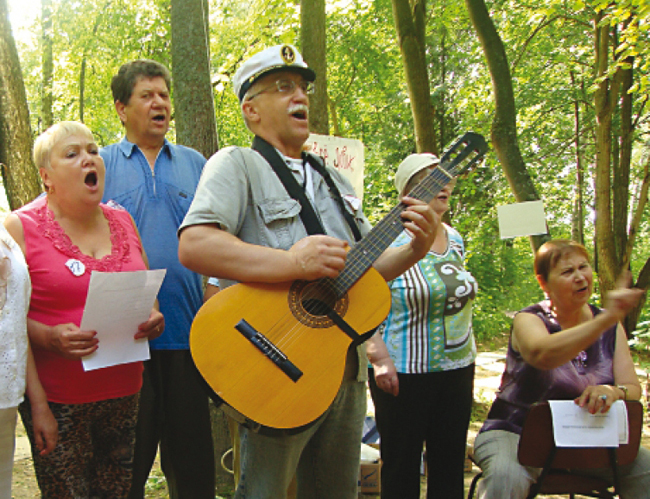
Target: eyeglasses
[287, 87]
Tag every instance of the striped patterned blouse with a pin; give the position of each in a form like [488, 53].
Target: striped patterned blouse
[429, 327]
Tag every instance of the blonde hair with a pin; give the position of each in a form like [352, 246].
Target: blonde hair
[45, 141]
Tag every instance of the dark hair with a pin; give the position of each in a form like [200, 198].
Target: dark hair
[128, 75]
[552, 251]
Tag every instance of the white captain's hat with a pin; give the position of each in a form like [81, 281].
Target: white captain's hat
[270, 60]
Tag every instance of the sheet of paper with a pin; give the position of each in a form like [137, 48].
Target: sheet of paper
[521, 219]
[574, 426]
[117, 303]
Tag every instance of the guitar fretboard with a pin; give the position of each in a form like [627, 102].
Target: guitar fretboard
[464, 152]
[366, 251]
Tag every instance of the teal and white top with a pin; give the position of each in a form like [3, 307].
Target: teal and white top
[429, 327]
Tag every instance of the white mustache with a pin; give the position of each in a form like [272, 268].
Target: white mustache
[294, 108]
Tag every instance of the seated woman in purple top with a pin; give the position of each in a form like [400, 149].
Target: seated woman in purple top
[560, 348]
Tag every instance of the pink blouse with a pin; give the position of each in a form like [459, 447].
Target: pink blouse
[60, 275]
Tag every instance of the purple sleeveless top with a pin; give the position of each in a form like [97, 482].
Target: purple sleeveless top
[522, 384]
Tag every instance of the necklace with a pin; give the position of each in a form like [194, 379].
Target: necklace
[580, 360]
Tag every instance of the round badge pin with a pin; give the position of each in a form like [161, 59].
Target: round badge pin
[76, 267]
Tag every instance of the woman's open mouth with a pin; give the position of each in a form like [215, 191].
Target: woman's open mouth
[91, 179]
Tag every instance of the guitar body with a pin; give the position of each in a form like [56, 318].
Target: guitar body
[288, 315]
[276, 352]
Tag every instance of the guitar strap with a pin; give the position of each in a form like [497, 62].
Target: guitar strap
[320, 168]
[307, 214]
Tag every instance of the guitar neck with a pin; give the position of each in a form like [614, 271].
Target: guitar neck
[365, 253]
[466, 151]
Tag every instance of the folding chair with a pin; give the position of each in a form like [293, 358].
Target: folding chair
[537, 449]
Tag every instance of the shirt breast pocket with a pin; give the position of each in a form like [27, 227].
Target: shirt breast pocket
[180, 201]
[278, 222]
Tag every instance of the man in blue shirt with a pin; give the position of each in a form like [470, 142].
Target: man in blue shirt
[155, 181]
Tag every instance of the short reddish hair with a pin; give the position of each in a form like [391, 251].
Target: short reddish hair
[552, 251]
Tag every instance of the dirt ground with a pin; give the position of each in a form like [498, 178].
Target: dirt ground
[488, 372]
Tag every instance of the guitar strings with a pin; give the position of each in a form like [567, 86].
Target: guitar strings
[359, 261]
[426, 190]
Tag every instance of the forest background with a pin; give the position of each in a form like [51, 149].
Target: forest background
[560, 88]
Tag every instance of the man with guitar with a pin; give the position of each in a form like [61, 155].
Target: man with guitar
[273, 214]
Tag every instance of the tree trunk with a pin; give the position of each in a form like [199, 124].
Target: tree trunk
[335, 121]
[196, 126]
[504, 127]
[313, 44]
[643, 282]
[603, 106]
[621, 177]
[48, 64]
[20, 178]
[82, 88]
[410, 25]
[578, 219]
[441, 110]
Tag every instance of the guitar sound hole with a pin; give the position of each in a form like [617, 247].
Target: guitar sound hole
[310, 302]
[315, 306]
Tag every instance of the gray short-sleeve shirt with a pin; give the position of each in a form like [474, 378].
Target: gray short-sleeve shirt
[240, 192]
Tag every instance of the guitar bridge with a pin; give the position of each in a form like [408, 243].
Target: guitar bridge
[266, 346]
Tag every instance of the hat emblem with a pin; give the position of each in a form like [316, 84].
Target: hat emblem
[287, 54]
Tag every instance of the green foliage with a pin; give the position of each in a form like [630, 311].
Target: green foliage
[238, 29]
[550, 48]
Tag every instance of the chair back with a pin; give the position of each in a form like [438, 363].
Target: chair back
[537, 442]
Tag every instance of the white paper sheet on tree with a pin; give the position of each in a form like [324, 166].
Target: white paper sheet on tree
[521, 219]
[117, 303]
[574, 426]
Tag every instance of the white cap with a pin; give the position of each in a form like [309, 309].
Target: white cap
[410, 166]
[276, 58]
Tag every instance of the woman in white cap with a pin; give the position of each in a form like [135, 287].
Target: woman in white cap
[422, 358]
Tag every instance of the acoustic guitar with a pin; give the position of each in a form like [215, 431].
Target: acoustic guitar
[276, 353]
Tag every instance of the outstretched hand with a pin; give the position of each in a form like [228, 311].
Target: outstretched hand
[621, 300]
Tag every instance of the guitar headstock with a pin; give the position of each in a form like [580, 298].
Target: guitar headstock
[466, 151]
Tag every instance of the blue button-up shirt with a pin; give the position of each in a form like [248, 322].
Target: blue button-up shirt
[158, 201]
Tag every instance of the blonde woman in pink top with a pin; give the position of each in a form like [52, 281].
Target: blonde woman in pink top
[65, 235]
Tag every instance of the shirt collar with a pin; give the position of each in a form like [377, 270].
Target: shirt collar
[127, 147]
[295, 165]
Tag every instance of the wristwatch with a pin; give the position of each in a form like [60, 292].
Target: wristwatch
[624, 389]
